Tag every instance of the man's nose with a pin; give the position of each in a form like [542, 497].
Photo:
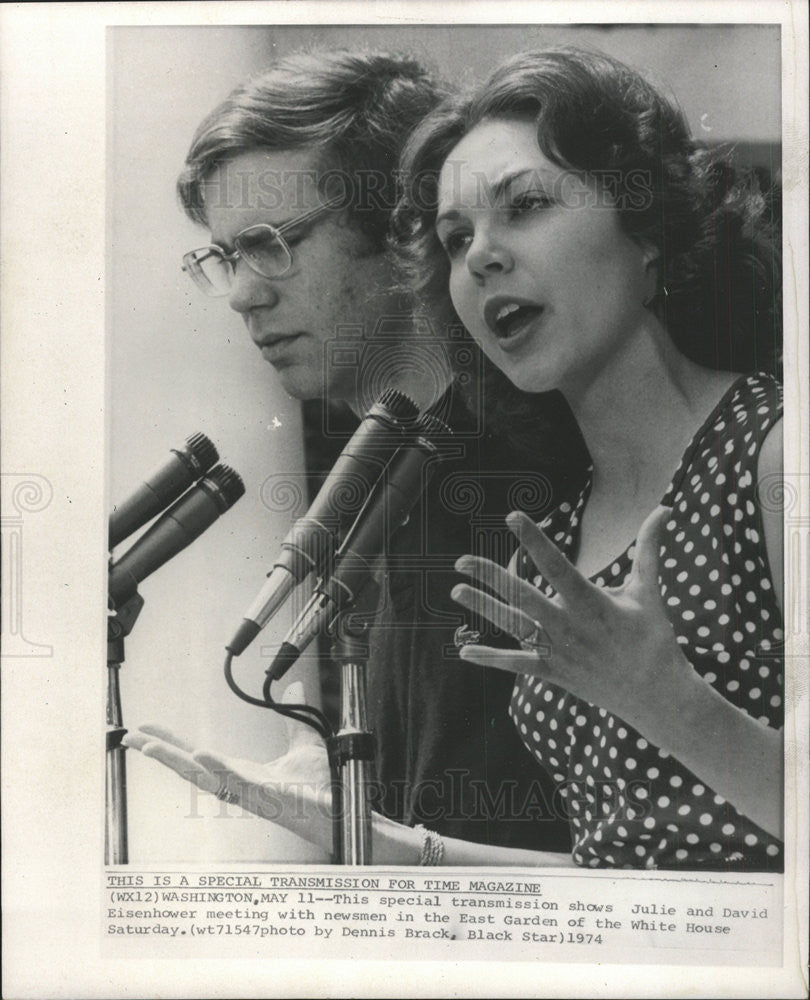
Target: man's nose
[249, 289]
[488, 254]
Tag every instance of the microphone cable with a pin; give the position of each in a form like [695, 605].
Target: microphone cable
[318, 722]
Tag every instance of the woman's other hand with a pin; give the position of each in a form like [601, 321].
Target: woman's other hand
[293, 790]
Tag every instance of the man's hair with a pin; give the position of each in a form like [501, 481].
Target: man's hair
[354, 109]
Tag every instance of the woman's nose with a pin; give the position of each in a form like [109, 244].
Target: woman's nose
[488, 255]
[249, 289]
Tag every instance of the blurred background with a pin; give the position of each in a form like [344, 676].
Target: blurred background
[179, 363]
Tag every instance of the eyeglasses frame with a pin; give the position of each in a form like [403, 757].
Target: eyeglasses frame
[277, 231]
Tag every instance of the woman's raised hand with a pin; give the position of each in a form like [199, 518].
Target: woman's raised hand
[613, 647]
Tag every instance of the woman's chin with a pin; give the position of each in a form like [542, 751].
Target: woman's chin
[529, 380]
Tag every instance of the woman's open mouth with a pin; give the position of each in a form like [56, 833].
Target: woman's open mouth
[509, 318]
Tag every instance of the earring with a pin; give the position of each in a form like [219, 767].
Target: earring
[649, 302]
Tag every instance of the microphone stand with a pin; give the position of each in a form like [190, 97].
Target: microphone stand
[119, 625]
[351, 750]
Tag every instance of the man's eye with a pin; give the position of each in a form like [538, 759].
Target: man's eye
[255, 240]
[294, 235]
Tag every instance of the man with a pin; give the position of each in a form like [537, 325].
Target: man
[294, 176]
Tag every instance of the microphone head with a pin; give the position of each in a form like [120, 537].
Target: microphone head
[225, 485]
[202, 452]
[399, 405]
[429, 426]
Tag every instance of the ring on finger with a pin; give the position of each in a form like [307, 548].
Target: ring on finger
[465, 636]
[224, 794]
[533, 642]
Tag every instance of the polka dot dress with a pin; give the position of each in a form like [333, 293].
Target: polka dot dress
[630, 804]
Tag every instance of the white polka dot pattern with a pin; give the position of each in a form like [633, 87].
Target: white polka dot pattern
[632, 805]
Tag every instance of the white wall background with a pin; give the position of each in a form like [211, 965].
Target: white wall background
[178, 362]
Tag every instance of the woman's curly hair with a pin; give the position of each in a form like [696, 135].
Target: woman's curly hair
[715, 229]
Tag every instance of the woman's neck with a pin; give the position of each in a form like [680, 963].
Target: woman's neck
[638, 414]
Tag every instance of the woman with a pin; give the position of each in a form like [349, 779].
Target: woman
[589, 247]
[563, 215]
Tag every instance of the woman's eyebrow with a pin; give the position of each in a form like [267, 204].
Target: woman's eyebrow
[449, 216]
[494, 191]
[505, 181]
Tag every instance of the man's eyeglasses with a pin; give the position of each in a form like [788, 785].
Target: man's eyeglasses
[262, 247]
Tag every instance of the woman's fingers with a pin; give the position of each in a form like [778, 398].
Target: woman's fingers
[239, 772]
[293, 694]
[183, 764]
[162, 733]
[511, 660]
[135, 739]
[648, 547]
[162, 745]
[218, 763]
[166, 748]
[515, 593]
[508, 586]
[299, 734]
[503, 616]
[569, 583]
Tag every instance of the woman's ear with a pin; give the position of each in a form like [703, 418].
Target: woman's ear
[651, 260]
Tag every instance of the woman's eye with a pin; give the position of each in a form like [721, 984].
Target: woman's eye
[528, 202]
[455, 243]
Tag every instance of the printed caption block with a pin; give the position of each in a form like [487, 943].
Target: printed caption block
[611, 917]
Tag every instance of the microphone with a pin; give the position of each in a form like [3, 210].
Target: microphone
[387, 508]
[168, 482]
[174, 530]
[311, 542]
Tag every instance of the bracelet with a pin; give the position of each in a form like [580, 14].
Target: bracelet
[432, 847]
